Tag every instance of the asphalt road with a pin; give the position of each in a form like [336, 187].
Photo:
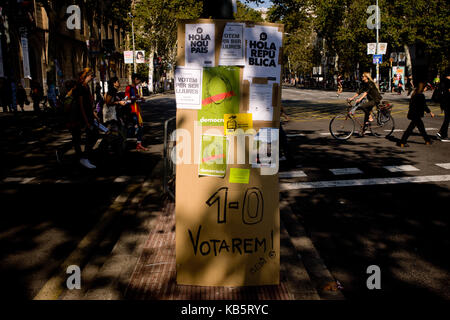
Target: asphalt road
[355, 216]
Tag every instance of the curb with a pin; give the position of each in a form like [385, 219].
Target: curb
[322, 279]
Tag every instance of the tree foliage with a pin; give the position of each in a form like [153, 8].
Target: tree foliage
[246, 13]
[156, 25]
[342, 24]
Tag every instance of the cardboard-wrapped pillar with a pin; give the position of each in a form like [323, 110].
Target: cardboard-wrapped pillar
[227, 227]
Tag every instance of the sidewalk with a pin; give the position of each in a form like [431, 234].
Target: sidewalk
[142, 266]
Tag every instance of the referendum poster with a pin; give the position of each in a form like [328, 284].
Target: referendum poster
[398, 73]
[372, 48]
[140, 56]
[128, 56]
[263, 45]
[200, 44]
[234, 122]
[220, 95]
[213, 158]
[260, 102]
[188, 88]
[232, 50]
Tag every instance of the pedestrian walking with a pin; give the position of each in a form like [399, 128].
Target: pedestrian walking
[444, 101]
[82, 117]
[409, 85]
[400, 85]
[417, 108]
[339, 85]
[5, 94]
[131, 93]
[21, 96]
[36, 95]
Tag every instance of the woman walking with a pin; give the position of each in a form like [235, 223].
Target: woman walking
[83, 117]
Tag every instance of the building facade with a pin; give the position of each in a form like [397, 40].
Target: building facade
[50, 42]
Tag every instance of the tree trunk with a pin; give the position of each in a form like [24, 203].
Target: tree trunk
[408, 60]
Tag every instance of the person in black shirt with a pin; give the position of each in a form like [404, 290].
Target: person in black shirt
[369, 90]
[444, 100]
[417, 108]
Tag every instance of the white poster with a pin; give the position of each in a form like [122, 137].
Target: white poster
[128, 56]
[382, 48]
[140, 56]
[199, 45]
[262, 53]
[2, 72]
[260, 103]
[232, 50]
[26, 60]
[188, 88]
[371, 48]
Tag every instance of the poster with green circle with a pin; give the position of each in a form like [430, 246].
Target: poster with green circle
[220, 94]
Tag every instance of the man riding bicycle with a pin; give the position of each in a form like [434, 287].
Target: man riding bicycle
[369, 90]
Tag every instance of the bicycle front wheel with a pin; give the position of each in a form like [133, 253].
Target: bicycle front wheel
[342, 126]
[383, 126]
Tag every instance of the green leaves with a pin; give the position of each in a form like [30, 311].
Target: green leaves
[342, 23]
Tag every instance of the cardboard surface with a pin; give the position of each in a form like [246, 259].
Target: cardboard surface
[227, 234]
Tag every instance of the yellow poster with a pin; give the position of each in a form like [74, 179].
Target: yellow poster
[233, 122]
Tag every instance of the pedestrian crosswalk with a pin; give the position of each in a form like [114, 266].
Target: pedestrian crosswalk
[362, 182]
[302, 184]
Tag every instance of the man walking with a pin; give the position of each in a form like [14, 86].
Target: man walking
[444, 101]
[417, 108]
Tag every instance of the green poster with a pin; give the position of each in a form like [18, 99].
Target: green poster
[220, 95]
[213, 158]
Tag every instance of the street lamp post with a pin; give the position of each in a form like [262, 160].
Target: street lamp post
[132, 34]
[378, 24]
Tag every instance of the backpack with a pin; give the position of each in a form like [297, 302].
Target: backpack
[68, 104]
[438, 94]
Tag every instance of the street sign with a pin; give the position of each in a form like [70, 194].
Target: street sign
[377, 58]
[128, 56]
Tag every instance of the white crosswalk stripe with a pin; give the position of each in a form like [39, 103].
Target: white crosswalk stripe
[403, 168]
[443, 165]
[292, 174]
[361, 182]
[343, 171]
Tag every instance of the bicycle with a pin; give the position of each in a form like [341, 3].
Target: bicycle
[345, 124]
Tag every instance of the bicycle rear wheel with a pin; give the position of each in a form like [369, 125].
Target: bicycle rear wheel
[342, 126]
[383, 126]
